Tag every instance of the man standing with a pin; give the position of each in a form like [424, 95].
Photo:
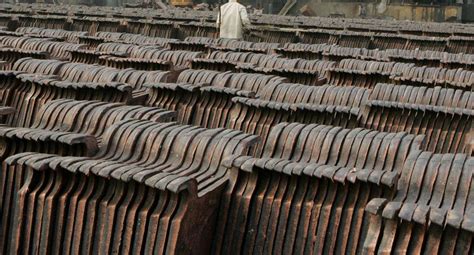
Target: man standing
[232, 19]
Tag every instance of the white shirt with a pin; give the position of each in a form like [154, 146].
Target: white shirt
[234, 16]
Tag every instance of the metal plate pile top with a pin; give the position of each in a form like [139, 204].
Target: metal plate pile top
[162, 186]
[363, 73]
[436, 188]
[308, 191]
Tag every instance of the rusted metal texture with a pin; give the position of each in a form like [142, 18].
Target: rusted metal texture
[432, 76]
[431, 211]
[308, 191]
[131, 201]
[362, 73]
[138, 131]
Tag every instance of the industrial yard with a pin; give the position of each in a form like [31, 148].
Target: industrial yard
[140, 131]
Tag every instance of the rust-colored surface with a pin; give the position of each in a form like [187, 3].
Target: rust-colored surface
[130, 132]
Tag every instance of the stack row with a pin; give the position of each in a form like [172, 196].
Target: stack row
[121, 143]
